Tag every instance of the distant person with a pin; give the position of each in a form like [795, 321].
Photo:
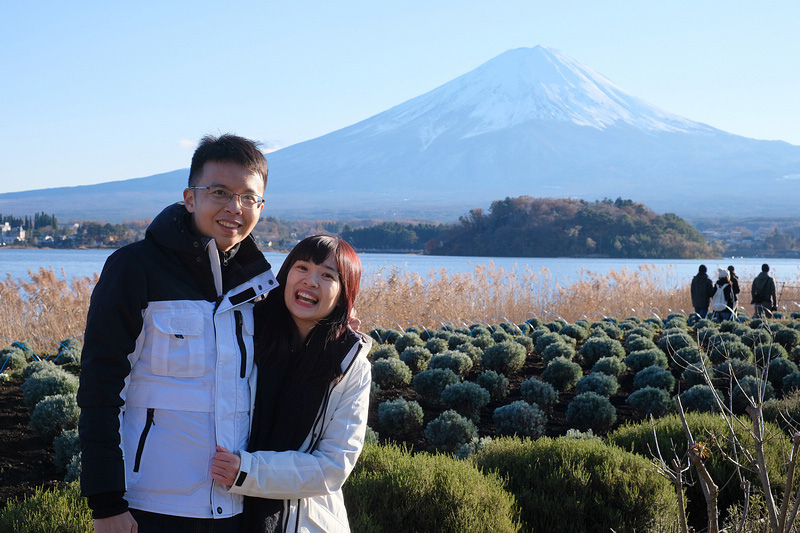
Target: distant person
[702, 290]
[763, 294]
[722, 301]
[735, 284]
[168, 351]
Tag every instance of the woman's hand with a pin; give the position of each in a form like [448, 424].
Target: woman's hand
[225, 466]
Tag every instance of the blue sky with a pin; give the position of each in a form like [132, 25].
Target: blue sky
[101, 91]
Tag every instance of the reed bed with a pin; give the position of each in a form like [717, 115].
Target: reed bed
[49, 310]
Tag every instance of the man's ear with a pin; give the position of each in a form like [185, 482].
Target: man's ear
[188, 199]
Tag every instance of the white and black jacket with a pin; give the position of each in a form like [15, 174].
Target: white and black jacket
[167, 354]
[310, 480]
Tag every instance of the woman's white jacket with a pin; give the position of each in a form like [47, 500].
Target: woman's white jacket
[310, 480]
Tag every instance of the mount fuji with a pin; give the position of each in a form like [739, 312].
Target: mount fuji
[531, 121]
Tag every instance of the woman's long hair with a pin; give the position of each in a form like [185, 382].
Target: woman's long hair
[276, 330]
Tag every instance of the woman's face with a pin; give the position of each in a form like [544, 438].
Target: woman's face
[312, 292]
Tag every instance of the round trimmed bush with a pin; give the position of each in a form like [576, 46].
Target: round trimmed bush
[466, 398]
[482, 342]
[449, 431]
[436, 345]
[596, 348]
[578, 485]
[734, 367]
[430, 383]
[496, 384]
[53, 414]
[778, 369]
[399, 417]
[591, 411]
[598, 382]
[641, 331]
[610, 329]
[686, 356]
[473, 352]
[575, 331]
[673, 340]
[650, 401]
[383, 351]
[408, 340]
[791, 382]
[562, 373]
[634, 343]
[526, 343]
[392, 490]
[501, 335]
[35, 366]
[458, 362]
[520, 418]
[756, 336]
[722, 351]
[787, 337]
[538, 392]
[693, 374]
[699, 398]
[416, 358]
[557, 349]
[747, 389]
[456, 339]
[390, 373]
[65, 446]
[612, 366]
[636, 361]
[505, 357]
[766, 352]
[69, 351]
[654, 376]
[48, 382]
[543, 341]
[12, 358]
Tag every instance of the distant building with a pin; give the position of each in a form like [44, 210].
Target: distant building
[9, 235]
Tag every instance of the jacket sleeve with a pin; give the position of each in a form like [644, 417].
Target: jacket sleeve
[292, 474]
[113, 324]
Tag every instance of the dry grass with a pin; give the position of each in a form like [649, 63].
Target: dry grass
[49, 310]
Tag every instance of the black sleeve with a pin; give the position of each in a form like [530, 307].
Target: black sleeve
[113, 324]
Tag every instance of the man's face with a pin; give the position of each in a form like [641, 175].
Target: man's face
[227, 223]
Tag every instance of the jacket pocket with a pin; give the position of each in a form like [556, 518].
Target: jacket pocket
[178, 344]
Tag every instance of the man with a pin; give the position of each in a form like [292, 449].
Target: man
[763, 293]
[702, 290]
[168, 350]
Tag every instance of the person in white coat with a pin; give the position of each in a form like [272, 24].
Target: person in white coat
[312, 378]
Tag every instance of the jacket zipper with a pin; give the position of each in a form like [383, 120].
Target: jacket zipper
[240, 340]
[148, 423]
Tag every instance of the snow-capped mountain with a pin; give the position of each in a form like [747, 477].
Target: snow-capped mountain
[531, 121]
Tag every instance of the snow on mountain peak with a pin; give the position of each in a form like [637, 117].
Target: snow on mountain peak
[522, 85]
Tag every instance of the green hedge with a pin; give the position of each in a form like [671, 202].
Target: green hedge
[61, 510]
[580, 485]
[391, 490]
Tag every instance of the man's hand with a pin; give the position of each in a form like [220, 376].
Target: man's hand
[225, 466]
[121, 523]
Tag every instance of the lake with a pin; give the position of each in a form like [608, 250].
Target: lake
[16, 262]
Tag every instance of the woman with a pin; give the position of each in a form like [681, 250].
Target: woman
[734, 285]
[722, 302]
[312, 392]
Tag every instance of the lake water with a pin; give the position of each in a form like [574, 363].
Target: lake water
[16, 262]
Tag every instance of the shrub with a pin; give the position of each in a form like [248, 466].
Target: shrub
[558, 349]
[457, 338]
[638, 438]
[705, 335]
[748, 389]
[787, 337]
[673, 340]
[756, 336]
[399, 417]
[725, 350]
[47, 382]
[380, 334]
[766, 352]
[526, 343]
[436, 345]
[65, 446]
[636, 361]
[778, 369]
[650, 401]
[449, 431]
[12, 359]
[470, 350]
[482, 342]
[562, 373]
[73, 469]
[734, 367]
[54, 414]
[539, 392]
[598, 382]
[63, 510]
[469, 448]
[35, 366]
[577, 485]
[693, 375]
[505, 357]
[408, 340]
[466, 398]
[429, 384]
[456, 361]
[686, 356]
[520, 418]
[416, 358]
[699, 398]
[654, 376]
[69, 350]
[791, 382]
[543, 341]
[676, 321]
[784, 411]
[612, 366]
[634, 343]
[500, 335]
[596, 348]
[575, 331]
[591, 411]
[389, 373]
[496, 384]
[610, 329]
[383, 351]
[390, 490]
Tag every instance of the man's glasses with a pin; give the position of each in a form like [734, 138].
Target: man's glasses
[221, 195]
